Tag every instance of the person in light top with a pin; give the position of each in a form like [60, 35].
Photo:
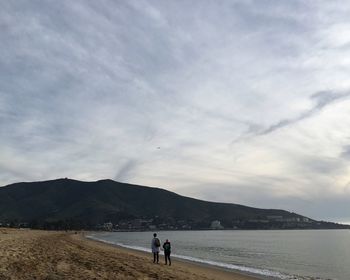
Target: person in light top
[155, 245]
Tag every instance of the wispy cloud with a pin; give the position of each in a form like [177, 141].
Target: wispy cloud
[322, 99]
[124, 172]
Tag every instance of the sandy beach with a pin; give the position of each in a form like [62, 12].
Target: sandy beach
[29, 254]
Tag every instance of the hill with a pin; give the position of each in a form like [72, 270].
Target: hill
[66, 203]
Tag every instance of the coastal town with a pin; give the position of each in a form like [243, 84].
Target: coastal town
[270, 222]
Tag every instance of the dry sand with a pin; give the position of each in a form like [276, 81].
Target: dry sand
[29, 254]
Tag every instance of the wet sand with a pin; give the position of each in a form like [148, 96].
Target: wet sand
[29, 254]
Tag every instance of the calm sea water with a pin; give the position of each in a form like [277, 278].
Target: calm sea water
[287, 254]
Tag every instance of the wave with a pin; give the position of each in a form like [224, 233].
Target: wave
[249, 270]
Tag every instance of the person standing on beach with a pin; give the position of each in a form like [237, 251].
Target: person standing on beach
[167, 251]
[155, 248]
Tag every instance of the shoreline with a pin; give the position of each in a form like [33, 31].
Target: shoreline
[33, 254]
[215, 270]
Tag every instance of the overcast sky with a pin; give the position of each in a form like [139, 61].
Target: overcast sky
[235, 101]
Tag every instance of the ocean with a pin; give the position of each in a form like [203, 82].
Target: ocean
[279, 254]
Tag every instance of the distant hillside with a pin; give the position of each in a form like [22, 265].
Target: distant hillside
[65, 202]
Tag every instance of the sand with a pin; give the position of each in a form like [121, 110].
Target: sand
[29, 254]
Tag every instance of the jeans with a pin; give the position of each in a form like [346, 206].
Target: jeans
[156, 257]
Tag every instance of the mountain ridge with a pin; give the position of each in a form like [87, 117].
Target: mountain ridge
[90, 204]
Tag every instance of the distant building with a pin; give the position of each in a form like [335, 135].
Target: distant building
[108, 226]
[216, 225]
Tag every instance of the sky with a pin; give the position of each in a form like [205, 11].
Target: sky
[244, 102]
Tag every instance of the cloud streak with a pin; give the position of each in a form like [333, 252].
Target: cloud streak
[322, 99]
[124, 172]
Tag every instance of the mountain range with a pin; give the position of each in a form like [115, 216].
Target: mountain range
[67, 203]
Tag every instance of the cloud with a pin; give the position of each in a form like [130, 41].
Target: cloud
[346, 152]
[322, 99]
[88, 88]
[125, 170]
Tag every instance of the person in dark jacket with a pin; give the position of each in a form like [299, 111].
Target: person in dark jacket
[167, 251]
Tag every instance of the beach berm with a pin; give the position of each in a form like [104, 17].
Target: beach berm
[29, 254]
